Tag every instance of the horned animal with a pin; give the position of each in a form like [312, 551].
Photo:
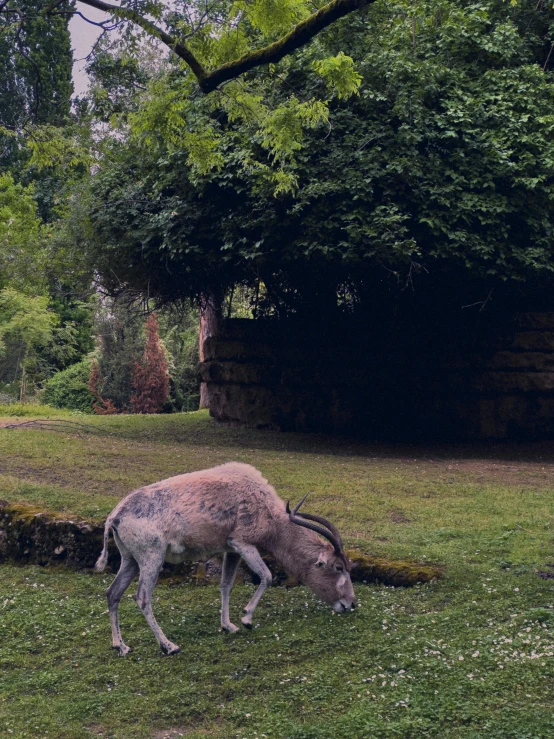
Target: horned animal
[229, 509]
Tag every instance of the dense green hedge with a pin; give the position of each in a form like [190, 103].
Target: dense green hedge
[69, 388]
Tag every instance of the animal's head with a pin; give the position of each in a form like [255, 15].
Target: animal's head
[329, 574]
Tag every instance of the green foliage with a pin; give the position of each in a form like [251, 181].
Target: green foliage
[39, 336]
[120, 327]
[69, 388]
[442, 162]
[25, 322]
[35, 78]
[272, 17]
[340, 74]
[180, 335]
[21, 254]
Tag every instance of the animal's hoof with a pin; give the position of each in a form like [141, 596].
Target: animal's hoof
[170, 649]
[246, 622]
[230, 628]
[123, 649]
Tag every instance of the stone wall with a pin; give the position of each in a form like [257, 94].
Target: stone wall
[288, 376]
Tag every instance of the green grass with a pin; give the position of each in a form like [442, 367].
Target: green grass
[391, 669]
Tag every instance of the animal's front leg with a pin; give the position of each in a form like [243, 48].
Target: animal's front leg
[230, 564]
[252, 558]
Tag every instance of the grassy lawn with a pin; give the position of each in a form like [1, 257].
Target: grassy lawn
[467, 656]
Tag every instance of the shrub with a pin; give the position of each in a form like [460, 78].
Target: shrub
[69, 388]
[151, 376]
[101, 406]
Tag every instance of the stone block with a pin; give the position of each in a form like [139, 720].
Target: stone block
[244, 405]
[533, 341]
[238, 373]
[248, 330]
[536, 321]
[535, 361]
[216, 347]
[514, 382]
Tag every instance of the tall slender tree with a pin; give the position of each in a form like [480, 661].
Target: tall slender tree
[35, 76]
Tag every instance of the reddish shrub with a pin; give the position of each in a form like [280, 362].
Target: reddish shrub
[150, 376]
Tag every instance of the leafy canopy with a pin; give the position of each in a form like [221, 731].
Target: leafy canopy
[445, 155]
[25, 321]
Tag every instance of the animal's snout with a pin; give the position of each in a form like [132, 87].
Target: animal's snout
[343, 605]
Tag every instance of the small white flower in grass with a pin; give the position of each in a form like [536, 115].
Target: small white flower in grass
[476, 653]
[461, 658]
[516, 590]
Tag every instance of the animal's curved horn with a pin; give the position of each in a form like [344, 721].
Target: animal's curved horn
[318, 519]
[304, 520]
[326, 523]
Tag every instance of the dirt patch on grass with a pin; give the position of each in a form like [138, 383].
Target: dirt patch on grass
[399, 517]
[132, 456]
[181, 731]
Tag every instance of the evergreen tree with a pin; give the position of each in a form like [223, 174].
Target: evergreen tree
[151, 375]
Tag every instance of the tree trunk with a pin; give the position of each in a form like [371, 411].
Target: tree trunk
[23, 387]
[210, 321]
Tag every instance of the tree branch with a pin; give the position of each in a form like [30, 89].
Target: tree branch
[300, 35]
[132, 15]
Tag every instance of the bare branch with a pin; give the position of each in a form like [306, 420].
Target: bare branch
[151, 28]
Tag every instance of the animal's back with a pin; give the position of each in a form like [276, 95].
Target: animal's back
[198, 511]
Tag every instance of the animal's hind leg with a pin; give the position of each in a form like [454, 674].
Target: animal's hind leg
[149, 571]
[230, 564]
[127, 572]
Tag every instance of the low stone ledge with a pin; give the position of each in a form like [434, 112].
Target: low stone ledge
[219, 348]
[31, 536]
[238, 373]
[392, 572]
[538, 341]
[510, 382]
[534, 361]
[536, 320]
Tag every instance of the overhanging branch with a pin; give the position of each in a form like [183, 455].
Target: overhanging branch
[151, 28]
[300, 35]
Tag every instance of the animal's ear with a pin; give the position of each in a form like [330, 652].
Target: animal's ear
[321, 560]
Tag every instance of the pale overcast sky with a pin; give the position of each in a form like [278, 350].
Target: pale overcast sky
[83, 36]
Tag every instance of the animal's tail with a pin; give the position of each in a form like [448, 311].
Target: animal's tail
[103, 558]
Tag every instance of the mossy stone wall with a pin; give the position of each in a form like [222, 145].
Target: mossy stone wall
[30, 536]
[288, 376]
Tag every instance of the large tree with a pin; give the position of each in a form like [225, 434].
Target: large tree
[35, 76]
[443, 164]
[212, 44]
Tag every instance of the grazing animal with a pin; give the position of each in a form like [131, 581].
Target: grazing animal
[230, 509]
